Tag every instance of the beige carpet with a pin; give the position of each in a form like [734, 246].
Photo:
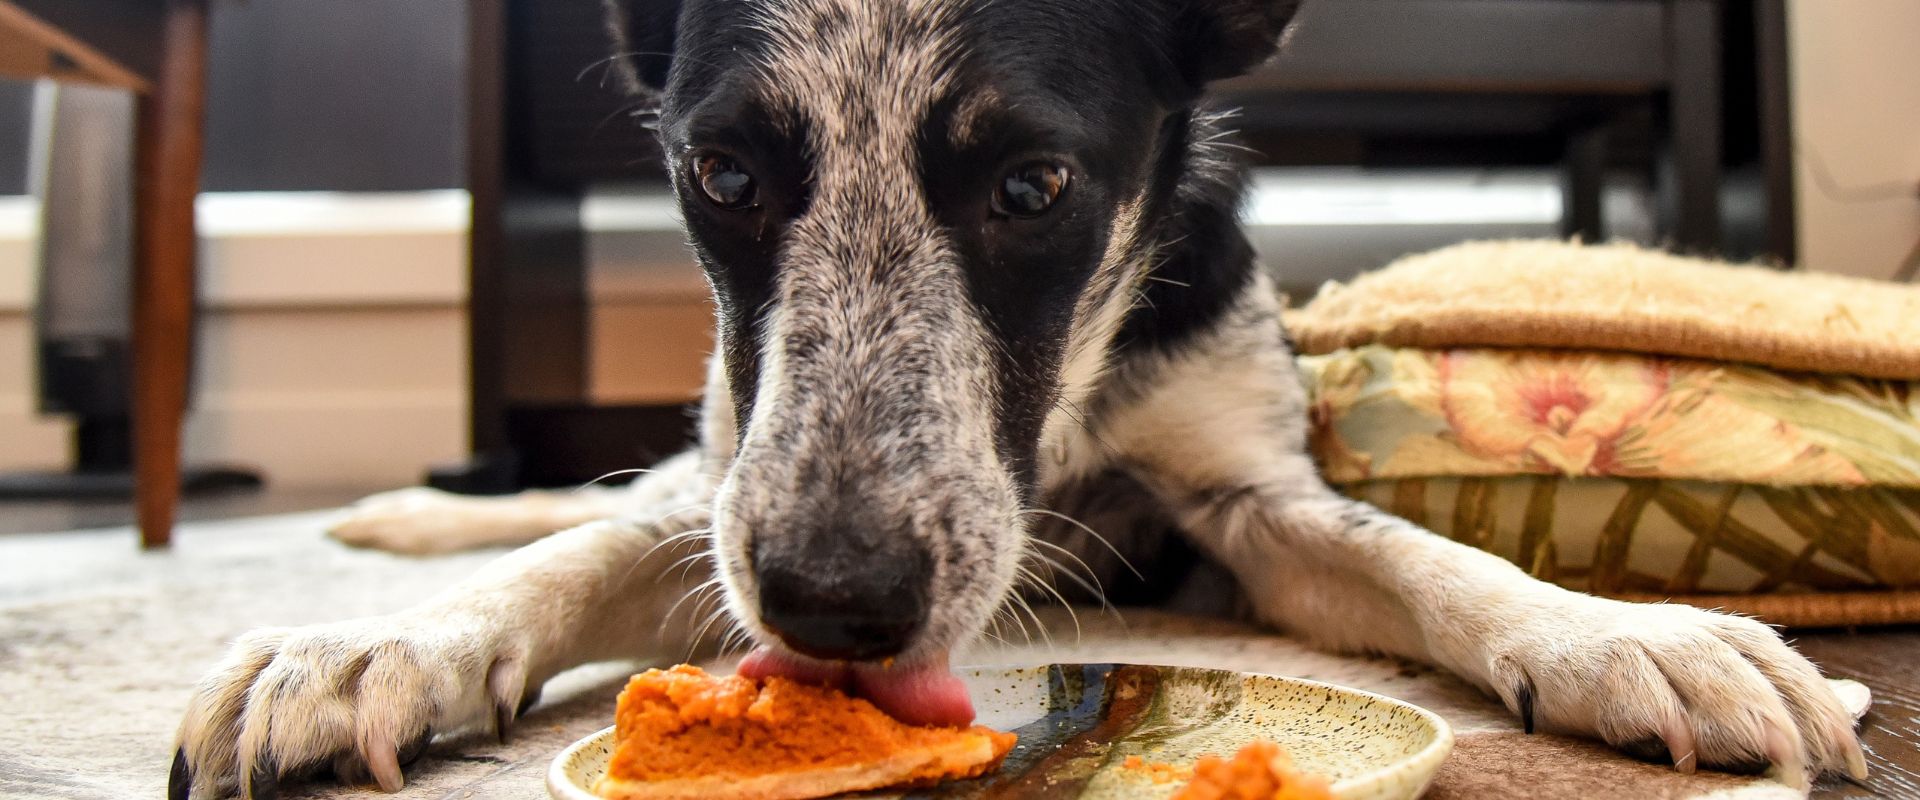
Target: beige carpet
[99, 644]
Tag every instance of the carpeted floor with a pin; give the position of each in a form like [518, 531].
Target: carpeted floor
[99, 644]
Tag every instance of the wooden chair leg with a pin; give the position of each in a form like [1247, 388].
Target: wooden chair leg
[1694, 116]
[1583, 185]
[171, 133]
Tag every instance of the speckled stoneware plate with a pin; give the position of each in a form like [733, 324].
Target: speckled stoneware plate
[1078, 723]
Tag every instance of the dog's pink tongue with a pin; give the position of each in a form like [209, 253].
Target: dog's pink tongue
[924, 694]
[763, 663]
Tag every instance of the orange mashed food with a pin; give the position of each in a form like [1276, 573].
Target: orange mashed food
[1156, 771]
[1260, 771]
[682, 733]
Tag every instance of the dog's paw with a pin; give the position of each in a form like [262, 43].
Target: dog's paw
[415, 521]
[1677, 683]
[355, 700]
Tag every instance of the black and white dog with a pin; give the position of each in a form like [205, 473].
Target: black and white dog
[976, 262]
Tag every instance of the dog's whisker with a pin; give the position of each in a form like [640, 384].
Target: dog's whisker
[1048, 587]
[1045, 635]
[1090, 574]
[686, 564]
[614, 474]
[1008, 608]
[684, 510]
[704, 592]
[673, 541]
[1090, 532]
[700, 635]
[739, 639]
[1079, 416]
[1005, 614]
[609, 61]
[702, 602]
[1090, 584]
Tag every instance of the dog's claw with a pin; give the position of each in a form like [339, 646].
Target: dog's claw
[1678, 735]
[1685, 763]
[383, 762]
[533, 696]
[180, 778]
[502, 719]
[1856, 760]
[1783, 749]
[1523, 697]
[506, 681]
[263, 782]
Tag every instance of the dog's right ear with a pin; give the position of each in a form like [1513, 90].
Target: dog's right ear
[1222, 38]
[643, 33]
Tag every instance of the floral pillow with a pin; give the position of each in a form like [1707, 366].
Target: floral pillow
[1394, 413]
[1635, 475]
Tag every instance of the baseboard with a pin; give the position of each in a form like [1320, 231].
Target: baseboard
[364, 438]
[332, 343]
[296, 249]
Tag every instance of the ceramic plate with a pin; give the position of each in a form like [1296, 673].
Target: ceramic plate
[1078, 723]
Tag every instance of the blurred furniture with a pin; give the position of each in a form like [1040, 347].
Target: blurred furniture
[1645, 86]
[1593, 87]
[156, 48]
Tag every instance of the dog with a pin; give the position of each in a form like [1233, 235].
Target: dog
[979, 277]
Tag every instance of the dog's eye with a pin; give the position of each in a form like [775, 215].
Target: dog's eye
[1030, 190]
[723, 182]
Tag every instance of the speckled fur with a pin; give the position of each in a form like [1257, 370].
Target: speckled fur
[875, 369]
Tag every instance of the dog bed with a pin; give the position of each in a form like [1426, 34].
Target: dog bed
[1607, 420]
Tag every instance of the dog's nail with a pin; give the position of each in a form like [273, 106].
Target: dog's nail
[380, 756]
[1856, 760]
[416, 748]
[1686, 763]
[180, 778]
[1523, 697]
[1783, 749]
[263, 782]
[507, 679]
[1678, 734]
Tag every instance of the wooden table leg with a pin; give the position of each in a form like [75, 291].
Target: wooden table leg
[171, 134]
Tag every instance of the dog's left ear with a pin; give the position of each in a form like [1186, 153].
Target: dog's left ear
[1223, 38]
[643, 34]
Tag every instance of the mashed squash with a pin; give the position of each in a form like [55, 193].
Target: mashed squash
[1260, 771]
[682, 733]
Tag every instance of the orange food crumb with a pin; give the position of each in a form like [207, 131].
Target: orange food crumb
[683, 723]
[1260, 771]
[1156, 771]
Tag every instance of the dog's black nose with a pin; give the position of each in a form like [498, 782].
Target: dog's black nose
[836, 596]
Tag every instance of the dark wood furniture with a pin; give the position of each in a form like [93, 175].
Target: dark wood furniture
[158, 49]
[1592, 86]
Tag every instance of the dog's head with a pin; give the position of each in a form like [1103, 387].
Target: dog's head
[923, 221]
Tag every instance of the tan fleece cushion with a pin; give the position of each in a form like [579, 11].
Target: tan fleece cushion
[1621, 297]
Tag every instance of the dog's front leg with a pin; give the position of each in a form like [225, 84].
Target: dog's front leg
[1218, 431]
[1658, 680]
[363, 697]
